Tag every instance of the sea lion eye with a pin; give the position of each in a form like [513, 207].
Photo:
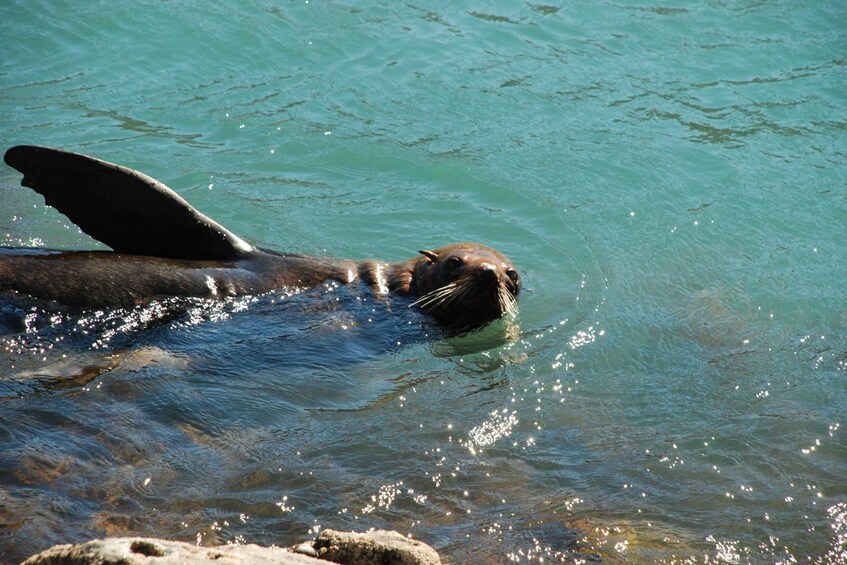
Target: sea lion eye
[513, 275]
[454, 262]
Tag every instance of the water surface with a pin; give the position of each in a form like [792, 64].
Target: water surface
[669, 178]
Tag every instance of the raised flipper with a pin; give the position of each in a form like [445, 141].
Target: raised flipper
[127, 210]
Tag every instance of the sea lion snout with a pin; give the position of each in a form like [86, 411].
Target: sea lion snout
[487, 274]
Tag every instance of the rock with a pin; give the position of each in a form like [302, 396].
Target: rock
[305, 548]
[148, 551]
[380, 547]
[376, 548]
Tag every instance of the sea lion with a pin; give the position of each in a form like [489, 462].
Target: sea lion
[163, 247]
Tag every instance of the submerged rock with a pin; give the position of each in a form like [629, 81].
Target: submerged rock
[378, 548]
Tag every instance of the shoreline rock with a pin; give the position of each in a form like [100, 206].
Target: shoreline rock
[379, 547]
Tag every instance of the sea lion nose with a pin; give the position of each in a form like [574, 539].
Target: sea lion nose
[487, 273]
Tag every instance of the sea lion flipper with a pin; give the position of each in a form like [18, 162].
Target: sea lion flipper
[125, 209]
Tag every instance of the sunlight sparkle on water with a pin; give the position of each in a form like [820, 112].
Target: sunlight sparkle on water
[384, 499]
[283, 505]
[584, 337]
[499, 425]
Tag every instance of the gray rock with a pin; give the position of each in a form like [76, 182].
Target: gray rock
[376, 548]
[305, 548]
[148, 551]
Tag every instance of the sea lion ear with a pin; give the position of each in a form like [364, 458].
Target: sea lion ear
[432, 256]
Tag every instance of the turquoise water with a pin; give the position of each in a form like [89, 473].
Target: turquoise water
[670, 179]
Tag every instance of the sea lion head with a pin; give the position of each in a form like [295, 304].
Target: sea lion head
[465, 284]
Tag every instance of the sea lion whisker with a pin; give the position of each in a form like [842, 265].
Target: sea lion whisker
[435, 297]
[446, 295]
[435, 294]
[463, 288]
[448, 298]
[508, 304]
[512, 302]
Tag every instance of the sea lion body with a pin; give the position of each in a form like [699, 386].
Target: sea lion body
[108, 279]
[165, 248]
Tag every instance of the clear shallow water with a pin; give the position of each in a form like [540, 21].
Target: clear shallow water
[670, 179]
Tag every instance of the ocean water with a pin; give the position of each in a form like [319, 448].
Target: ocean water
[669, 177]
